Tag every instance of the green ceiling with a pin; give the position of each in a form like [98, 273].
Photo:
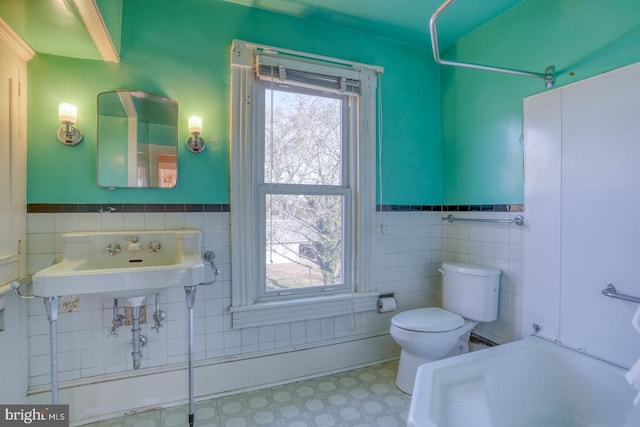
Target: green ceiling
[405, 20]
[54, 27]
[50, 26]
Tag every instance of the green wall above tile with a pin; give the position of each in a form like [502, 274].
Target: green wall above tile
[483, 153]
[180, 51]
[449, 135]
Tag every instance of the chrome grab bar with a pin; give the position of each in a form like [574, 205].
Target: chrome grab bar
[518, 220]
[611, 292]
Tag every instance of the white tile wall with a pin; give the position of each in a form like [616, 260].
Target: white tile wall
[407, 254]
[409, 248]
[496, 245]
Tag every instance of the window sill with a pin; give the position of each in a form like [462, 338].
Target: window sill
[275, 312]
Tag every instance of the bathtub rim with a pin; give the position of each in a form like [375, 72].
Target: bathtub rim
[419, 412]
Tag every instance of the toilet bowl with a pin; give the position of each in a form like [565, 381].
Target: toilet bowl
[429, 334]
[428, 344]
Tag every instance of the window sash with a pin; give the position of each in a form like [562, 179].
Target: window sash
[344, 190]
[347, 237]
[348, 126]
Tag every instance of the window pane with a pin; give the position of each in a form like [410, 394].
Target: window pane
[304, 241]
[303, 138]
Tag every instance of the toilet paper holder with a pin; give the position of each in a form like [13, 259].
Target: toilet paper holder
[386, 302]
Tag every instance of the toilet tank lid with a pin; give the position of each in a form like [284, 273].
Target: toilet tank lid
[431, 319]
[472, 269]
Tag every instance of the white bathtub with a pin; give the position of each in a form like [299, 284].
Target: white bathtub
[527, 383]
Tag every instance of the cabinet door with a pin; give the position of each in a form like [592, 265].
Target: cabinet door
[12, 166]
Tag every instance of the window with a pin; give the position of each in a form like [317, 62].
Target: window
[305, 191]
[303, 145]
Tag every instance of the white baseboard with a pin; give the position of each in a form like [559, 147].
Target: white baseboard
[109, 398]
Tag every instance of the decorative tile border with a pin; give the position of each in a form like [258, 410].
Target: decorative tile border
[450, 208]
[225, 207]
[124, 208]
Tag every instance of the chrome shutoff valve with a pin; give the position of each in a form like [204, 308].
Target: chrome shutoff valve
[158, 318]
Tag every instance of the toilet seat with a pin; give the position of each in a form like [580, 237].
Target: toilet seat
[431, 319]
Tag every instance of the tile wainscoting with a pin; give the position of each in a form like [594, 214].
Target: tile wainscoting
[410, 244]
[407, 256]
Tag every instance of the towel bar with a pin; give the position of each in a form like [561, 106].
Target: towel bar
[518, 220]
[611, 292]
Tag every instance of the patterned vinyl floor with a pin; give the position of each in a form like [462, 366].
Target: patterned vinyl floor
[363, 397]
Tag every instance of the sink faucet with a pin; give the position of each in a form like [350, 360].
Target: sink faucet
[113, 248]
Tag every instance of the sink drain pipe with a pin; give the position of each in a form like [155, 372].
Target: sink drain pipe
[190, 293]
[139, 340]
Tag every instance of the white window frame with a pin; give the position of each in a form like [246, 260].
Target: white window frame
[247, 308]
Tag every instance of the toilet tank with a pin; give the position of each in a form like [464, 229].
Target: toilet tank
[471, 290]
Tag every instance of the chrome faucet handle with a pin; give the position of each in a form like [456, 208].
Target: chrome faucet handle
[133, 239]
[113, 248]
[154, 246]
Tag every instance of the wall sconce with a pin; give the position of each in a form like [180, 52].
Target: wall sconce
[68, 134]
[195, 144]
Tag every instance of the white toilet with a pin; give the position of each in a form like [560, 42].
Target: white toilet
[469, 295]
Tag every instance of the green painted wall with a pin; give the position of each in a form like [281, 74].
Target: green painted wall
[182, 52]
[482, 111]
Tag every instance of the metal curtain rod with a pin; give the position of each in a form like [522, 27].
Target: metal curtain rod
[518, 220]
[547, 76]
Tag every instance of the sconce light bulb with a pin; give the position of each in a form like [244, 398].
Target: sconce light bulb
[195, 143]
[195, 124]
[68, 134]
[67, 113]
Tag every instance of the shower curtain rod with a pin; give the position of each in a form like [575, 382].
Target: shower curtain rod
[547, 76]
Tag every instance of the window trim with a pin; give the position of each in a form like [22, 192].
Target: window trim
[245, 308]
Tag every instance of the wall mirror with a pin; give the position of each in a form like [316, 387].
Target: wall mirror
[137, 140]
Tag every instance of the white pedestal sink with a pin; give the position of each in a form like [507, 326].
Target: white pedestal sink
[123, 265]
